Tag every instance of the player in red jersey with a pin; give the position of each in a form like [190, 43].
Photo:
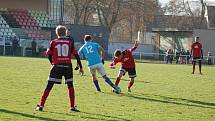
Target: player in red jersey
[197, 54]
[127, 64]
[60, 52]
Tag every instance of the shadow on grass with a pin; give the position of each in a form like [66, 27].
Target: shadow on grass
[28, 115]
[170, 100]
[127, 80]
[93, 116]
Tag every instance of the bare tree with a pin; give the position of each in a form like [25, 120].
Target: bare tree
[194, 9]
[79, 10]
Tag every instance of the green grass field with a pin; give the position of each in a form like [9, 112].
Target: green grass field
[161, 93]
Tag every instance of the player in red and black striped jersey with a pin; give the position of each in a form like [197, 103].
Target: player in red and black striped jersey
[127, 65]
[197, 54]
[60, 53]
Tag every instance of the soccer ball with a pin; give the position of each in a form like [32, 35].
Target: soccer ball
[117, 90]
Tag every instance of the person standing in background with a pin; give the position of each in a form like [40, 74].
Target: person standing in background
[197, 54]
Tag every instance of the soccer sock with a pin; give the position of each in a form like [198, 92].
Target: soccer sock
[130, 84]
[96, 83]
[200, 67]
[117, 81]
[108, 81]
[71, 93]
[194, 67]
[44, 97]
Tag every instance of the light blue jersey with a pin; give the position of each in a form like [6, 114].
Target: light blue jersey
[90, 50]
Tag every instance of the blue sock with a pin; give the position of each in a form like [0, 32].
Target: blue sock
[108, 81]
[96, 83]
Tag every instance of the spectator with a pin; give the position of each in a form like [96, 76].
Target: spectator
[34, 47]
[177, 54]
[209, 58]
[170, 55]
[15, 44]
[188, 57]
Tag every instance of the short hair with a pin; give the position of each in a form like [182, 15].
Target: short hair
[117, 53]
[61, 30]
[87, 38]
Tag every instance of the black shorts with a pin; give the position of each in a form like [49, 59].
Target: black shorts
[131, 72]
[58, 71]
[197, 59]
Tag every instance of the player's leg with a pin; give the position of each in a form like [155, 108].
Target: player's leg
[44, 96]
[54, 77]
[132, 75]
[68, 74]
[102, 72]
[130, 84]
[94, 79]
[200, 66]
[96, 83]
[194, 65]
[120, 74]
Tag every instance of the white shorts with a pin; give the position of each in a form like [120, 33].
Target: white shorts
[99, 67]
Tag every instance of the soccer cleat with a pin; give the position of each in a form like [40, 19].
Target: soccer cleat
[74, 109]
[129, 90]
[39, 108]
[116, 89]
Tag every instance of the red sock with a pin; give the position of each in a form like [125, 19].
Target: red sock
[71, 93]
[130, 84]
[117, 81]
[44, 97]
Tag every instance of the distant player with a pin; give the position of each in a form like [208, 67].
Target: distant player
[128, 64]
[94, 54]
[60, 53]
[197, 54]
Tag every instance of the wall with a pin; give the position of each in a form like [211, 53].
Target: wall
[207, 38]
[25, 4]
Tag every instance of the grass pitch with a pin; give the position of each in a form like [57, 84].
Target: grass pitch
[161, 93]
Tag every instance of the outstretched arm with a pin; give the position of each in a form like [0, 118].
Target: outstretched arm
[78, 62]
[134, 47]
[114, 63]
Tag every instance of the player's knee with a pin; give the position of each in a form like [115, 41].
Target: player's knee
[50, 85]
[94, 77]
[69, 84]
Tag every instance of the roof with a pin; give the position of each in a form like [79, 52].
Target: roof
[177, 23]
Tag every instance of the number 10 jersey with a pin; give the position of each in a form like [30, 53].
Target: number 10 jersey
[61, 50]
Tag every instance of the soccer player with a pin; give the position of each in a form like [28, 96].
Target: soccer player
[60, 53]
[94, 55]
[197, 54]
[128, 64]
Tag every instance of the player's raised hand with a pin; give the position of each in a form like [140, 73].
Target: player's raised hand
[136, 43]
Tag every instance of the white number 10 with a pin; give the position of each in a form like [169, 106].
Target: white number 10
[62, 50]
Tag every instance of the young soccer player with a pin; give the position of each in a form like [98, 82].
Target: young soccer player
[60, 53]
[128, 64]
[94, 55]
[197, 54]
